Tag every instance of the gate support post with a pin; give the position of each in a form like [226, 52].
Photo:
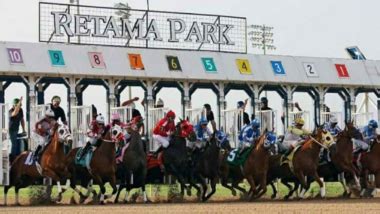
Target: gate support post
[288, 103]
[186, 101]
[221, 103]
[352, 105]
[321, 108]
[33, 102]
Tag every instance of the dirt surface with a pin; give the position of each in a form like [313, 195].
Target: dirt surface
[345, 206]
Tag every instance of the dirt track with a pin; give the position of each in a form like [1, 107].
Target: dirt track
[367, 206]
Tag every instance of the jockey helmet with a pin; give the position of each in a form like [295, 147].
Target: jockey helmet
[299, 121]
[373, 124]
[56, 99]
[240, 104]
[255, 123]
[264, 100]
[100, 119]
[160, 102]
[49, 113]
[15, 101]
[271, 138]
[333, 120]
[203, 121]
[220, 135]
[115, 116]
[170, 114]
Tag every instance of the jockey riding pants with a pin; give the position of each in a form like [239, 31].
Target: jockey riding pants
[359, 144]
[40, 140]
[161, 141]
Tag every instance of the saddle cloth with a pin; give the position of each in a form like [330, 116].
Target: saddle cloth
[235, 159]
[86, 160]
[289, 159]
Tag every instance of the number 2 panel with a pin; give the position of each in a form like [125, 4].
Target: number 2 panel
[96, 60]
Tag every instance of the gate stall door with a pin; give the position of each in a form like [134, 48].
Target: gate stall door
[195, 115]
[361, 119]
[267, 120]
[326, 116]
[36, 114]
[125, 113]
[232, 124]
[154, 115]
[80, 120]
[305, 115]
[4, 145]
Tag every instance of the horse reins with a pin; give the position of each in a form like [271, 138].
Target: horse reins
[313, 139]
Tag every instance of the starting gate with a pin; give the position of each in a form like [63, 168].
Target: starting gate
[325, 118]
[154, 115]
[36, 114]
[305, 115]
[4, 145]
[195, 114]
[80, 120]
[232, 124]
[125, 113]
[361, 119]
[267, 120]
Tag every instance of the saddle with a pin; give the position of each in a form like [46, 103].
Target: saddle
[289, 158]
[86, 160]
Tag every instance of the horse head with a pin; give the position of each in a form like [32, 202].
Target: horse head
[117, 133]
[64, 134]
[185, 129]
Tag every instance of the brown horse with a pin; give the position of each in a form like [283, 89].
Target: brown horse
[306, 161]
[51, 164]
[254, 170]
[371, 165]
[102, 168]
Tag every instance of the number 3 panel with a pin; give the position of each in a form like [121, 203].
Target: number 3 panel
[96, 60]
[56, 58]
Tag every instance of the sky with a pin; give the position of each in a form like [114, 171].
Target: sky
[320, 28]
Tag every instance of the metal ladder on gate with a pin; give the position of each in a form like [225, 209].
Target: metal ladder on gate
[4, 145]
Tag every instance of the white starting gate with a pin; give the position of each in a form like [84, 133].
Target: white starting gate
[325, 118]
[305, 115]
[4, 145]
[361, 119]
[232, 124]
[154, 115]
[125, 113]
[36, 114]
[195, 115]
[80, 120]
[267, 120]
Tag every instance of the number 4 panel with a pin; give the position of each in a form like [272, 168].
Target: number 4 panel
[96, 60]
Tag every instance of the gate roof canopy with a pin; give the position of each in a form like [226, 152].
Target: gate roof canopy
[37, 62]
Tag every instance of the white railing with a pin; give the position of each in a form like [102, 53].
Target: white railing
[267, 120]
[326, 116]
[80, 120]
[232, 124]
[125, 113]
[4, 145]
[154, 115]
[195, 115]
[305, 115]
[361, 119]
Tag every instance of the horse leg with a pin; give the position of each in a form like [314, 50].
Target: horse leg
[6, 189]
[121, 187]
[321, 184]
[377, 184]
[235, 185]
[253, 186]
[146, 200]
[263, 187]
[52, 175]
[99, 181]
[213, 188]
[112, 182]
[290, 188]
[225, 185]
[274, 190]
[301, 178]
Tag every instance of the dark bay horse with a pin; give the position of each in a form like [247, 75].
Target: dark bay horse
[51, 164]
[133, 169]
[371, 165]
[103, 168]
[175, 156]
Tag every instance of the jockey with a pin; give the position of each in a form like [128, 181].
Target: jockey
[221, 137]
[332, 127]
[369, 134]
[248, 135]
[43, 132]
[97, 130]
[161, 133]
[295, 135]
[203, 134]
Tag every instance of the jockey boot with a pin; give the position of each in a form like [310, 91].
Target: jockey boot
[287, 153]
[84, 150]
[36, 155]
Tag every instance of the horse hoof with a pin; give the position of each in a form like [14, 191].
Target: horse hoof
[125, 202]
[234, 192]
[148, 201]
[286, 198]
[273, 196]
[102, 203]
[188, 191]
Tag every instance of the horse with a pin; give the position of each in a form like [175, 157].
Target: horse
[370, 162]
[341, 154]
[207, 166]
[254, 170]
[306, 160]
[133, 168]
[175, 156]
[51, 164]
[102, 169]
